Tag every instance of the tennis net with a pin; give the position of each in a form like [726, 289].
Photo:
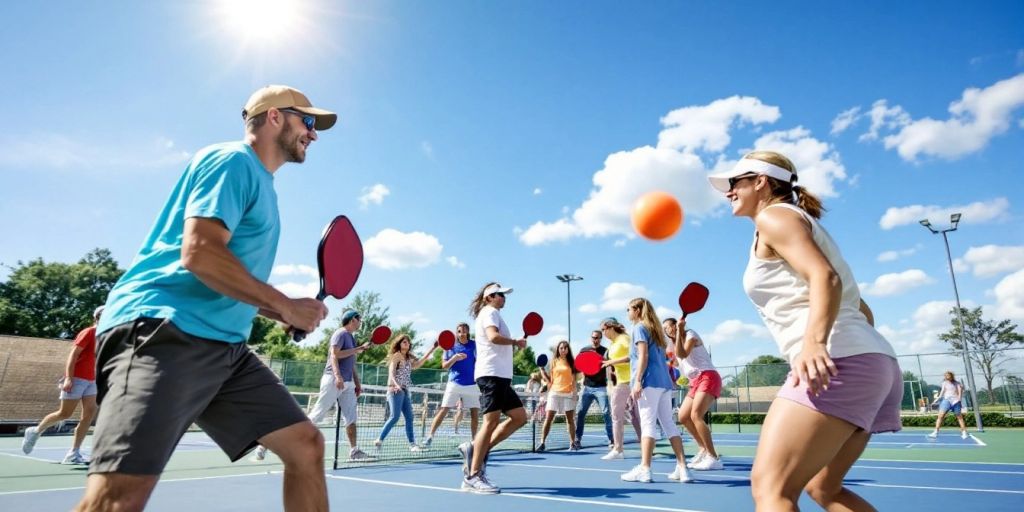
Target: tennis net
[373, 412]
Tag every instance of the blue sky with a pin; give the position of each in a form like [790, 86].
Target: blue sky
[507, 141]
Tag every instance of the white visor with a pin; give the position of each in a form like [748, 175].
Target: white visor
[496, 288]
[746, 166]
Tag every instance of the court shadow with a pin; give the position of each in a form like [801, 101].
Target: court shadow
[722, 483]
[587, 492]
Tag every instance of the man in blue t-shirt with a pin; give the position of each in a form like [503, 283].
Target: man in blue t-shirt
[459, 361]
[171, 342]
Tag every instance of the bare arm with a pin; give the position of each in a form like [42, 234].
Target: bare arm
[641, 367]
[419, 362]
[494, 337]
[205, 253]
[866, 311]
[788, 234]
[69, 367]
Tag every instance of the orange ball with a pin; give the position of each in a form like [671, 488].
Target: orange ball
[657, 215]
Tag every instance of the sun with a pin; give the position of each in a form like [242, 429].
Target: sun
[260, 22]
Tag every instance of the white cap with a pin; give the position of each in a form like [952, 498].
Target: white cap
[747, 166]
[496, 288]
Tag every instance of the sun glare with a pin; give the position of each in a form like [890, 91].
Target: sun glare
[260, 21]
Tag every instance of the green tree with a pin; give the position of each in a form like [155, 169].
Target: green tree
[524, 362]
[987, 342]
[56, 300]
[762, 371]
[374, 314]
[269, 338]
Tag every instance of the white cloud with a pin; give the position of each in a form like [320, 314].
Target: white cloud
[665, 313]
[428, 149]
[977, 117]
[974, 213]
[991, 260]
[392, 249]
[895, 284]
[41, 151]
[707, 127]
[296, 290]
[619, 243]
[817, 162]
[589, 308]
[373, 195]
[294, 270]
[844, 120]
[884, 117]
[537, 191]
[1009, 294]
[454, 262]
[921, 334]
[673, 166]
[616, 296]
[895, 255]
[736, 330]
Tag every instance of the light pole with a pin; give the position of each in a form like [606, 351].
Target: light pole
[568, 279]
[954, 220]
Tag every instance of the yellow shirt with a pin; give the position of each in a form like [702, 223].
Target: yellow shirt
[619, 349]
[561, 377]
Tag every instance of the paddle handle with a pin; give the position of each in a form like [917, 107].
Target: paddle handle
[298, 334]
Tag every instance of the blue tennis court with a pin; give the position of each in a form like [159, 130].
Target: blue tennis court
[891, 475]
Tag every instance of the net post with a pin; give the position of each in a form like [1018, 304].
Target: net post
[337, 430]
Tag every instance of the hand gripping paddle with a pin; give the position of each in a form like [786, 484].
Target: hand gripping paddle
[446, 340]
[693, 298]
[340, 259]
[589, 362]
[380, 335]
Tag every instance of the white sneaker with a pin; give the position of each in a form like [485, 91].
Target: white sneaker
[708, 463]
[963, 434]
[613, 455]
[680, 474]
[478, 484]
[73, 457]
[377, 444]
[259, 454]
[696, 459]
[415, 448]
[31, 436]
[466, 450]
[426, 444]
[934, 434]
[638, 474]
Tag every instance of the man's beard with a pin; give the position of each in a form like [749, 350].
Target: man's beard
[289, 143]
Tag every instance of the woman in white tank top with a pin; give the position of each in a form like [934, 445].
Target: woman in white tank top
[844, 382]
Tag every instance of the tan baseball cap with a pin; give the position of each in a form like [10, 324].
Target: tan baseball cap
[282, 96]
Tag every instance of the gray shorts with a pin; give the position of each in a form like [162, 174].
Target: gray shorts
[154, 381]
[80, 388]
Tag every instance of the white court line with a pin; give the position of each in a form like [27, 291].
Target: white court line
[742, 442]
[190, 479]
[976, 440]
[915, 461]
[514, 495]
[703, 474]
[51, 461]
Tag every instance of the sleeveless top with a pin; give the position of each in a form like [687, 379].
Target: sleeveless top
[699, 359]
[403, 373]
[782, 298]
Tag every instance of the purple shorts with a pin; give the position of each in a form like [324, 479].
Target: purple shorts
[867, 392]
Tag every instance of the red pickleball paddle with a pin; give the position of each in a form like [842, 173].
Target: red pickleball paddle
[381, 335]
[589, 362]
[693, 298]
[446, 340]
[339, 258]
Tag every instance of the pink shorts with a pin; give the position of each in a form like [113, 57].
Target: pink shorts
[867, 392]
[709, 381]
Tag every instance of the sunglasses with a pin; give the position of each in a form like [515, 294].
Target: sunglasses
[498, 294]
[737, 179]
[595, 337]
[308, 120]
